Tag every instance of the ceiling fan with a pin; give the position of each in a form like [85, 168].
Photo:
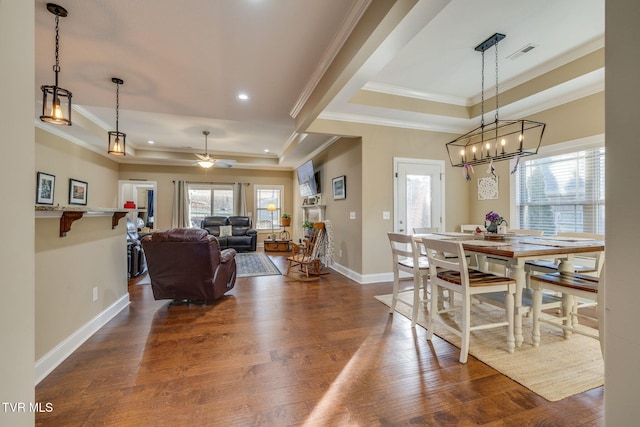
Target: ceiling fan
[206, 161]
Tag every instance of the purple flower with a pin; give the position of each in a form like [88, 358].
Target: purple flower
[493, 216]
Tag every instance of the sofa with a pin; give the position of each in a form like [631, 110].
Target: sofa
[187, 264]
[241, 236]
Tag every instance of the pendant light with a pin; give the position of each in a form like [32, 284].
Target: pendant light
[117, 138]
[499, 140]
[56, 101]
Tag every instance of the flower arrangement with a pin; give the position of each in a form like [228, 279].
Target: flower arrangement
[495, 220]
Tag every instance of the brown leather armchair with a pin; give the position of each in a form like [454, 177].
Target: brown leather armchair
[187, 264]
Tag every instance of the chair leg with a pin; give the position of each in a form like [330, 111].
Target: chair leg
[567, 310]
[537, 302]
[509, 303]
[394, 298]
[433, 310]
[466, 326]
[416, 301]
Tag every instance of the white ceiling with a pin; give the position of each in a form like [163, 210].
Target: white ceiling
[184, 63]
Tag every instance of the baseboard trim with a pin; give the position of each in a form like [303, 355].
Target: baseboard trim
[47, 363]
[362, 279]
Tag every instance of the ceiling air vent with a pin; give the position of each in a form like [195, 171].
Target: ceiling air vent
[518, 53]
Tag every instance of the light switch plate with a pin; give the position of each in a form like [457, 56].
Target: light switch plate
[386, 215]
[352, 215]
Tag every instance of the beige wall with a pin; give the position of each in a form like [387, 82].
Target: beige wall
[67, 160]
[165, 175]
[17, 278]
[67, 270]
[622, 283]
[91, 255]
[344, 157]
[379, 146]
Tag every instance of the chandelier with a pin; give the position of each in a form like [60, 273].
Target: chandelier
[56, 101]
[499, 140]
[116, 138]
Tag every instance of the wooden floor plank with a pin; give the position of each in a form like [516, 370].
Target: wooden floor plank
[278, 352]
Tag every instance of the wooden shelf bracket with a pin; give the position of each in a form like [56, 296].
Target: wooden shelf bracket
[67, 218]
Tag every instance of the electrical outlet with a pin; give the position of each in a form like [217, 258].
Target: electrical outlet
[95, 294]
[340, 253]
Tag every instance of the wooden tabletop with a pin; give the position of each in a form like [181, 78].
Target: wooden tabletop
[529, 246]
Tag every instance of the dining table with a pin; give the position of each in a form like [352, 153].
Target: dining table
[516, 250]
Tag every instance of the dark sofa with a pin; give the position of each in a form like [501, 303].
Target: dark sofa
[243, 237]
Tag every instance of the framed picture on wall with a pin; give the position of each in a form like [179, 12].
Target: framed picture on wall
[339, 186]
[44, 188]
[77, 192]
[488, 188]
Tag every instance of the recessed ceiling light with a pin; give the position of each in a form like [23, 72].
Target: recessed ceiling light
[266, 150]
[243, 96]
[151, 142]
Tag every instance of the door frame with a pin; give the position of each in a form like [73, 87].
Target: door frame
[427, 162]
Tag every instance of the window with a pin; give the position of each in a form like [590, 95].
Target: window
[209, 200]
[265, 195]
[562, 192]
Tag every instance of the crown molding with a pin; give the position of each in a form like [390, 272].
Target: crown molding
[343, 33]
[412, 93]
[378, 121]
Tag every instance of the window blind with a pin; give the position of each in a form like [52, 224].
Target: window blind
[563, 192]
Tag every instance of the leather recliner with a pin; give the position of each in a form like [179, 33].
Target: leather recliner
[188, 264]
[243, 237]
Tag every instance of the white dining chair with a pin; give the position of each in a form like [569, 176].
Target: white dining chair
[571, 286]
[455, 276]
[407, 257]
[471, 228]
[425, 230]
[588, 263]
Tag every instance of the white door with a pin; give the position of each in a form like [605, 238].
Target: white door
[419, 194]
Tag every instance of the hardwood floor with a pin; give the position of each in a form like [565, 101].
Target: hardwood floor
[276, 352]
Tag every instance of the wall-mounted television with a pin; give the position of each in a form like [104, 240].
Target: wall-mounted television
[306, 179]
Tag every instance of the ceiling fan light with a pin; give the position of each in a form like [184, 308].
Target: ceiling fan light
[205, 164]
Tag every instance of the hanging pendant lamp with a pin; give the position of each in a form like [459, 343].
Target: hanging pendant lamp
[499, 140]
[56, 101]
[117, 139]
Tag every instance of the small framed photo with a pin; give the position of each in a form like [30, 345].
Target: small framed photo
[488, 188]
[339, 186]
[77, 192]
[44, 188]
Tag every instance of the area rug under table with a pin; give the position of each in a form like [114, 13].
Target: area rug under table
[252, 264]
[557, 369]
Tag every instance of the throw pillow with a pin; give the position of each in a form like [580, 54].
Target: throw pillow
[225, 230]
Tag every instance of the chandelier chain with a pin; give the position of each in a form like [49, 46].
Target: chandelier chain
[497, 82]
[117, 105]
[482, 94]
[56, 67]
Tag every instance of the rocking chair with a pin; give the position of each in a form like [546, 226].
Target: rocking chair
[304, 262]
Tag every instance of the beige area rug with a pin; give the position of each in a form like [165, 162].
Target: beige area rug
[557, 369]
